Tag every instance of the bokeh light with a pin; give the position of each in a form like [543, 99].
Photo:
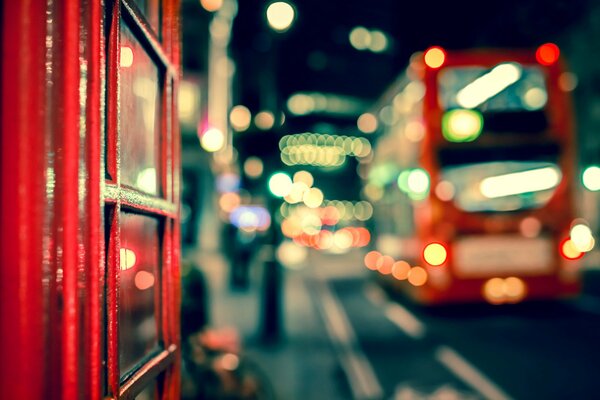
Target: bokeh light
[126, 57]
[591, 178]
[211, 5]
[435, 254]
[367, 123]
[280, 184]
[264, 120]
[360, 38]
[417, 276]
[400, 270]
[582, 238]
[304, 177]
[493, 290]
[253, 167]
[371, 259]
[280, 16]
[229, 201]
[313, 197]
[384, 264]
[462, 125]
[547, 54]
[127, 258]
[569, 250]
[435, 57]
[240, 118]
[212, 140]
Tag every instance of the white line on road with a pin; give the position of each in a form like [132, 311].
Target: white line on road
[396, 313]
[469, 374]
[361, 377]
[405, 320]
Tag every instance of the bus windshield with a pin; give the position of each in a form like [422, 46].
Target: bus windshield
[507, 87]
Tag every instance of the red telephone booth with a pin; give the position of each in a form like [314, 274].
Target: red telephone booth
[89, 232]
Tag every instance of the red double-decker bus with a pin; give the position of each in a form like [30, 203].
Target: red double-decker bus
[473, 177]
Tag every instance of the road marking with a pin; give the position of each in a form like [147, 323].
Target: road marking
[405, 320]
[397, 314]
[469, 374]
[360, 374]
[445, 392]
[375, 295]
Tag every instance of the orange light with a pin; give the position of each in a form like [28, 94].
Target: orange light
[371, 259]
[400, 270]
[417, 276]
[547, 54]
[384, 265]
[514, 289]
[569, 251]
[493, 290]
[435, 254]
[435, 57]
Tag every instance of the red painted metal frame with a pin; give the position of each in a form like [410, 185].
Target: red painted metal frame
[23, 201]
[58, 286]
[165, 365]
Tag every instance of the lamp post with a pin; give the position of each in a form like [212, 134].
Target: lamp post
[280, 16]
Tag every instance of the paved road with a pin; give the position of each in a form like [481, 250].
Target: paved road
[391, 349]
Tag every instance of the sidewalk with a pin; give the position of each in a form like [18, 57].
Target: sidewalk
[302, 364]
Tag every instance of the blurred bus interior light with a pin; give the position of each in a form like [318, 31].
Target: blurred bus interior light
[520, 182]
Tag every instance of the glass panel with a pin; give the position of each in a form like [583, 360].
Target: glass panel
[139, 93]
[151, 10]
[149, 393]
[505, 87]
[138, 291]
[502, 186]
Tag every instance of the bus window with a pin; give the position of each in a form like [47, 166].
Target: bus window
[502, 186]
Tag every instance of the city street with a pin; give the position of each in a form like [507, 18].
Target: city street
[394, 349]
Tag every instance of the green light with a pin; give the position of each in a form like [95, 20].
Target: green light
[403, 181]
[415, 183]
[462, 125]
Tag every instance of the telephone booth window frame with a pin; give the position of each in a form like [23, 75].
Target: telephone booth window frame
[122, 198]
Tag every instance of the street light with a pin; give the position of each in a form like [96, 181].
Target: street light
[280, 16]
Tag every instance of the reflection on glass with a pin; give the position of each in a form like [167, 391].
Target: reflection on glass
[140, 260]
[139, 115]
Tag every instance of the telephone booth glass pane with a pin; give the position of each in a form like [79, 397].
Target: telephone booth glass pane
[138, 288]
[139, 116]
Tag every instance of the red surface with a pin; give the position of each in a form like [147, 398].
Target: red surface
[23, 368]
[434, 216]
[53, 278]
